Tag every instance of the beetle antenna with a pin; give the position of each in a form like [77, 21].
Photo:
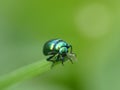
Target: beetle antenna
[70, 49]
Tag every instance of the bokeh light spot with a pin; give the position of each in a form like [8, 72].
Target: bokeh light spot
[93, 20]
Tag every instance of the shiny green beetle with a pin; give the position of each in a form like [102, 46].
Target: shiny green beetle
[58, 50]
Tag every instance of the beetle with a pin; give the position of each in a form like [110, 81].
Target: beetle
[57, 50]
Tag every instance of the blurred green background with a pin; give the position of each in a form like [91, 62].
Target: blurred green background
[92, 27]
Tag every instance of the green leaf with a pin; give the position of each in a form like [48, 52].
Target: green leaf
[24, 73]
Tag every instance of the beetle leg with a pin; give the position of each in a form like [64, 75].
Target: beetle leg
[62, 58]
[58, 58]
[52, 64]
[49, 58]
[70, 59]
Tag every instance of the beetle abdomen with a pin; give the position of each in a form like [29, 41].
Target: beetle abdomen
[49, 47]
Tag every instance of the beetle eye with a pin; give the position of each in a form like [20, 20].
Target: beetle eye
[63, 50]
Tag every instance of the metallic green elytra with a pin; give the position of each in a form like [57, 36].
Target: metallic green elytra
[58, 50]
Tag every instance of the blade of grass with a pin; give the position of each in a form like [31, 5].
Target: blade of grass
[24, 73]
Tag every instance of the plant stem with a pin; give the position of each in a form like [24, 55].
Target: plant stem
[24, 73]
